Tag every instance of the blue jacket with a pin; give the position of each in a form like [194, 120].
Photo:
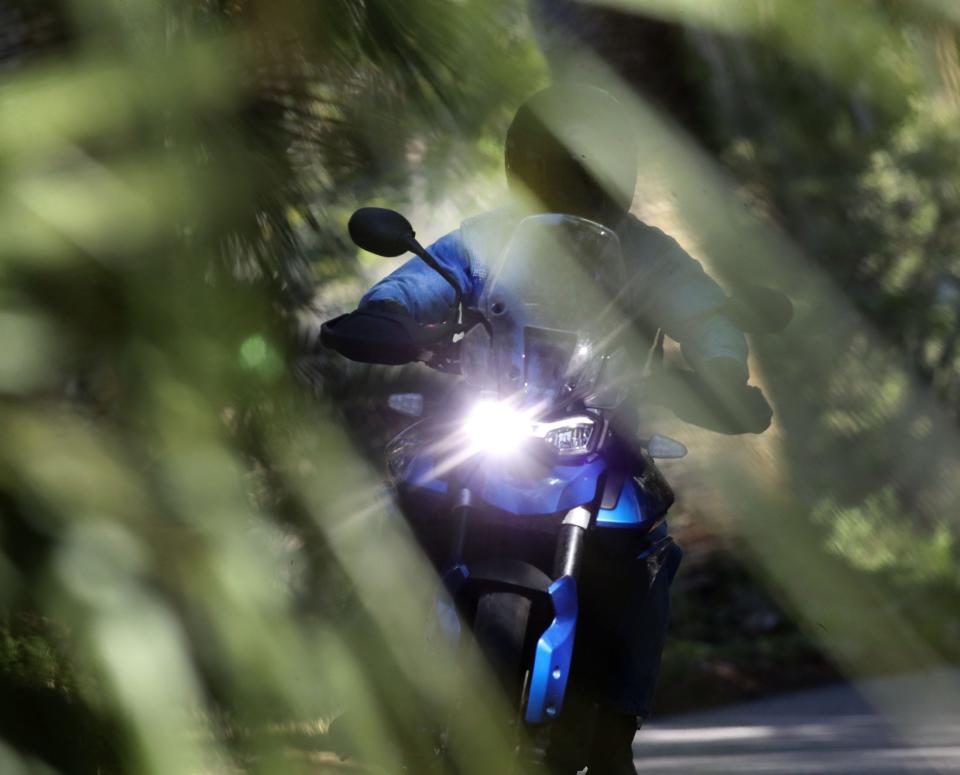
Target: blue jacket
[665, 284]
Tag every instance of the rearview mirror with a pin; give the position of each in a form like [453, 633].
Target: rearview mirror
[387, 233]
[381, 231]
[756, 309]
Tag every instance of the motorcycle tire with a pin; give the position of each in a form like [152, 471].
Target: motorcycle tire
[500, 625]
[500, 629]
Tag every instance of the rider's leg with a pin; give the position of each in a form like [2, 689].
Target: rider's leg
[642, 633]
[612, 751]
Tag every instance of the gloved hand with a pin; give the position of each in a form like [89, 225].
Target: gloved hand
[717, 397]
[373, 335]
[383, 333]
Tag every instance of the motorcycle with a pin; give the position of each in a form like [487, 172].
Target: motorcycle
[531, 492]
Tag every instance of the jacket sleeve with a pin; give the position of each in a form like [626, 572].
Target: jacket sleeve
[677, 289]
[419, 289]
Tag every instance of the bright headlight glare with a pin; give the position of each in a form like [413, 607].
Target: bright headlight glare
[499, 429]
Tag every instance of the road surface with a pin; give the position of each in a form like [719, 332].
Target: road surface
[907, 724]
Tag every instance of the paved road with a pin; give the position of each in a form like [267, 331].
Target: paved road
[899, 725]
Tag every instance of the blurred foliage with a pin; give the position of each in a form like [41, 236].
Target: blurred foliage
[813, 146]
[186, 562]
[863, 175]
[199, 570]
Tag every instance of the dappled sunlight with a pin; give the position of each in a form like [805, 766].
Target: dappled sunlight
[202, 567]
[844, 483]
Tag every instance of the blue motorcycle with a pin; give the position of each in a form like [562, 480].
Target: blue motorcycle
[530, 490]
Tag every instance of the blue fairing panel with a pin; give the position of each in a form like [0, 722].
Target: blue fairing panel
[628, 512]
[551, 663]
[421, 473]
[564, 488]
[495, 483]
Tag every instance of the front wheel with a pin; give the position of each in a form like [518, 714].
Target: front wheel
[489, 736]
[500, 629]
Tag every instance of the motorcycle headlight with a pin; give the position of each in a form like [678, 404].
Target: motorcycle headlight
[499, 429]
[569, 436]
[496, 428]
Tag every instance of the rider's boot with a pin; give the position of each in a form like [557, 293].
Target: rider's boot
[612, 750]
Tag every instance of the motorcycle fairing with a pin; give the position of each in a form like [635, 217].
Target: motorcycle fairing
[421, 472]
[640, 500]
[627, 512]
[413, 462]
[561, 489]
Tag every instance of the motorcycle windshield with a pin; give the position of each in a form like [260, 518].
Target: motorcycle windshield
[549, 300]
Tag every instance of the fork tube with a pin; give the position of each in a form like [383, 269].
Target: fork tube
[570, 542]
[459, 512]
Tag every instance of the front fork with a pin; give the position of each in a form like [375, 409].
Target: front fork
[554, 653]
[551, 665]
[573, 532]
[569, 552]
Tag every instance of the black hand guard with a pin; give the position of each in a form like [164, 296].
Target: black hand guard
[378, 336]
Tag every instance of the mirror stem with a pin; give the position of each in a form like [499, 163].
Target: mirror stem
[418, 250]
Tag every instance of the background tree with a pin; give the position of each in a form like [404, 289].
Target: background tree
[186, 584]
[813, 146]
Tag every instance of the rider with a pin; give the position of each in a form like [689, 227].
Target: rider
[572, 150]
